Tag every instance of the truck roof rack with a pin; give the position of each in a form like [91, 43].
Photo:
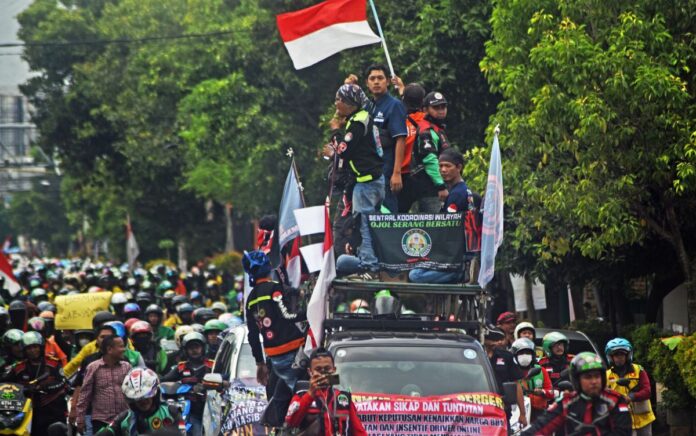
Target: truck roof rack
[382, 324]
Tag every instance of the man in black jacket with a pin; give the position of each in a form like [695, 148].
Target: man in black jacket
[268, 313]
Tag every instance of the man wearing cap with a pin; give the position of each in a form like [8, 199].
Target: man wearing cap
[356, 145]
[506, 322]
[504, 367]
[451, 162]
[430, 143]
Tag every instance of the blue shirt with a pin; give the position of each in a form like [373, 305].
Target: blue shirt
[458, 199]
[389, 115]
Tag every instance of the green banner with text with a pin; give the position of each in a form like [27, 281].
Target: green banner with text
[406, 241]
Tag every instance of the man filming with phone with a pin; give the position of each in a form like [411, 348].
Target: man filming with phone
[323, 409]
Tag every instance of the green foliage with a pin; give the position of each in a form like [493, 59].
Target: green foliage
[642, 338]
[685, 358]
[667, 370]
[230, 262]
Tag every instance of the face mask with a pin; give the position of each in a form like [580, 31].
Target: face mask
[524, 359]
[83, 342]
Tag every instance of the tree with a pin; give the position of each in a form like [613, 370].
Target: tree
[599, 127]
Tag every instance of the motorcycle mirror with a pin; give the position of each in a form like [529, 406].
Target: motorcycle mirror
[510, 393]
[212, 381]
[533, 372]
[565, 386]
[564, 373]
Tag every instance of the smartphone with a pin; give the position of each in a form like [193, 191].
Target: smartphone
[333, 379]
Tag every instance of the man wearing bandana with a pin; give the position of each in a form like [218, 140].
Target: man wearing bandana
[355, 142]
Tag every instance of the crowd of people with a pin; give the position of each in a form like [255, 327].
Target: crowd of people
[160, 326]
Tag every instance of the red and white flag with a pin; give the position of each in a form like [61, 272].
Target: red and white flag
[316, 309]
[313, 34]
[132, 249]
[293, 264]
[11, 283]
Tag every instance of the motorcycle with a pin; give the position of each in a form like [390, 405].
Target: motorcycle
[180, 394]
[16, 410]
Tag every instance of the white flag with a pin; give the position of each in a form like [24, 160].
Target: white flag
[132, 249]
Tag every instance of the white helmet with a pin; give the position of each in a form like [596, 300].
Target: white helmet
[180, 332]
[119, 298]
[139, 384]
[522, 344]
[524, 326]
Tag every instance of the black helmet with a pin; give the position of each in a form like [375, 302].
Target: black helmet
[153, 308]
[143, 297]
[17, 305]
[203, 315]
[101, 317]
[179, 299]
[184, 308]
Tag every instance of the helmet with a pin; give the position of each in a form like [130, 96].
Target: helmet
[551, 339]
[118, 327]
[12, 337]
[129, 323]
[184, 308]
[37, 324]
[153, 308]
[93, 289]
[179, 299]
[230, 319]
[131, 310]
[203, 315]
[180, 332]
[213, 325]
[256, 264]
[586, 362]
[143, 296]
[140, 327]
[32, 338]
[194, 295]
[102, 317]
[506, 317]
[119, 298]
[199, 328]
[140, 384]
[37, 295]
[522, 344]
[168, 295]
[47, 314]
[357, 304]
[17, 305]
[219, 305]
[193, 337]
[43, 305]
[147, 284]
[164, 285]
[619, 344]
[524, 326]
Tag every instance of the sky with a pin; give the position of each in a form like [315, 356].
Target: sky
[13, 70]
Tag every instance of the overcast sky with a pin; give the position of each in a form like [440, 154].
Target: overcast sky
[13, 70]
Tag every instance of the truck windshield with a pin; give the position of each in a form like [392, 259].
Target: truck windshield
[414, 371]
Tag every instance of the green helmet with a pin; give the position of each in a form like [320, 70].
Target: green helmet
[383, 293]
[12, 337]
[32, 338]
[586, 362]
[552, 338]
[214, 324]
[165, 285]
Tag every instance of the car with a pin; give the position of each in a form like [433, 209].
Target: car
[238, 408]
[579, 341]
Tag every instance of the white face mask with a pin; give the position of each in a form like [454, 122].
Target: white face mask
[524, 359]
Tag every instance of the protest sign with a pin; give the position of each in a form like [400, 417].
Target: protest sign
[452, 415]
[246, 405]
[75, 312]
[406, 241]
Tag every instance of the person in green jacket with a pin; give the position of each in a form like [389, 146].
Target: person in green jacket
[155, 315]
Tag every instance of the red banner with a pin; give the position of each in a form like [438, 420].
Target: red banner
[446, 415]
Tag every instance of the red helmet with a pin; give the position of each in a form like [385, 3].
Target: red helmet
[129, 323]
[140, 327]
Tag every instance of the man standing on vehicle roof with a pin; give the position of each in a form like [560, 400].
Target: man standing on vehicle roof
[592, 409]
[268, 314]
[389, 116]
[635, 384]
[324, 410]
[504, 367]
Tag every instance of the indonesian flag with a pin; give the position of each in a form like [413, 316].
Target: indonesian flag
[316, 309]
[313, 34]
[11, 283]
[294, 264]
[132, 249]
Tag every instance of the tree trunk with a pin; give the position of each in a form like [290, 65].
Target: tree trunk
[531, 310]
[229, 229]
[685, 262]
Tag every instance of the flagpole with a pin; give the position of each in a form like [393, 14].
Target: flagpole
[291, 153]
[381, 35]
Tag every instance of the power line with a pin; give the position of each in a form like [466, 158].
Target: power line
[117, 41]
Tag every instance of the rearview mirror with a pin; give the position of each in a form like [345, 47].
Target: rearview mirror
[533, 372]
[510, 393]
[212, 381]
[565, 385]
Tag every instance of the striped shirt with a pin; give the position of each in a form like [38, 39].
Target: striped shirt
[102, 390]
